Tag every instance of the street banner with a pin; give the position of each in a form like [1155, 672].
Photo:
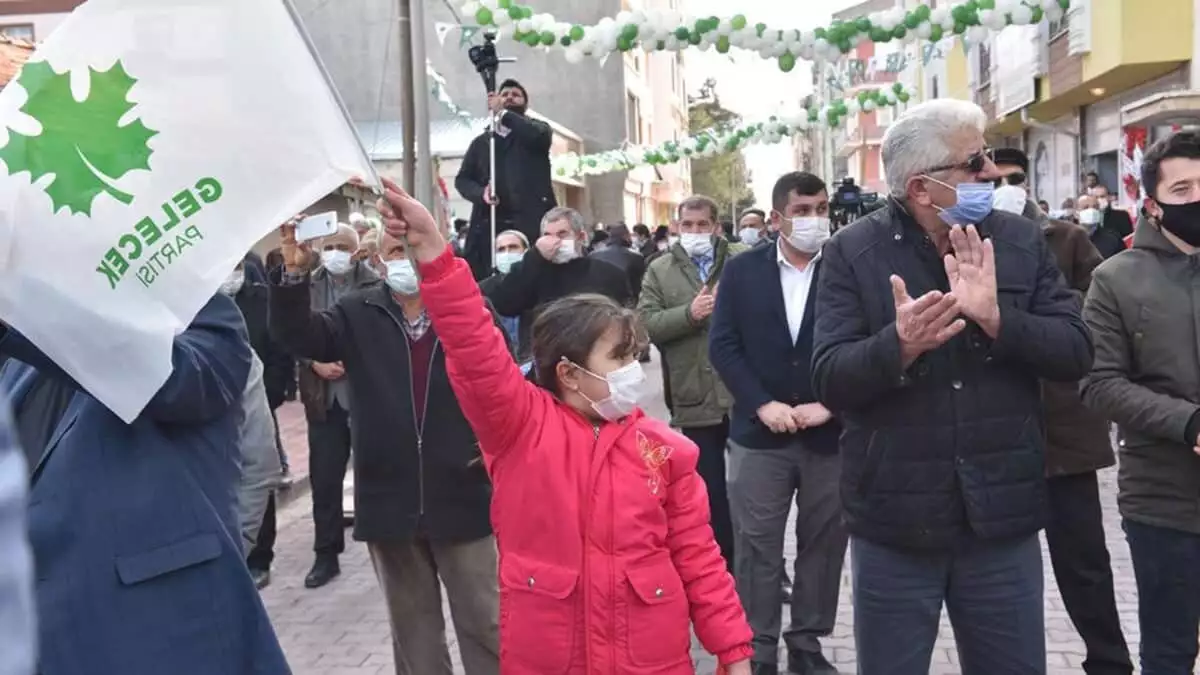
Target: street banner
[146, 146]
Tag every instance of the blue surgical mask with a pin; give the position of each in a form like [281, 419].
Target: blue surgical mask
[974, 203]
[401, 277]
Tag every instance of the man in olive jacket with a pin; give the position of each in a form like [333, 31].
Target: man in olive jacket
[678, 295]
[1143, 310]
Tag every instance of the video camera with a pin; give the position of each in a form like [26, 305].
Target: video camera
[850, 203]
[485, 60]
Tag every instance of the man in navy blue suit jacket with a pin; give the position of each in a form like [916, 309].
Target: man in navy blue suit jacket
[137, 551]
[783, 443]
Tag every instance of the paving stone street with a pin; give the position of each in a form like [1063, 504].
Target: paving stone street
[342, 629]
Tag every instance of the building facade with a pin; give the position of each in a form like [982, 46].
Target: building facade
[1086, 93]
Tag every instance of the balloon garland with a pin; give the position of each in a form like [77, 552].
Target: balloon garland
[657, 30]
[716, 141]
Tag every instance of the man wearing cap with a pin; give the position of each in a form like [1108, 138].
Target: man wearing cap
[1077, 445]
[325, 393]
[523, 193]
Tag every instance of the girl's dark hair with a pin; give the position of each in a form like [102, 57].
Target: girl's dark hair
[569, 327]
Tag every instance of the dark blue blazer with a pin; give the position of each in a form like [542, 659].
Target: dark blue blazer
[138, 557]
[752, 349]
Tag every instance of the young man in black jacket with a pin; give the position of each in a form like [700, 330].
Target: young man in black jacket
[523, 190]
[421, 491]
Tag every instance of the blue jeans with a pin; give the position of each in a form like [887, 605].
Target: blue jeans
[992, 591]
[1166, 565]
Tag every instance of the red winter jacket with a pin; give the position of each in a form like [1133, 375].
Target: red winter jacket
[606, 553]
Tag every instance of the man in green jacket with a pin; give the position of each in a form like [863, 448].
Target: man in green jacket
[678, 294]
[1143, 309]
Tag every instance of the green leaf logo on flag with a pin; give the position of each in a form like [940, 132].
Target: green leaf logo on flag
[82, 142]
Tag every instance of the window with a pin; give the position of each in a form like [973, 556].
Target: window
[20, 31]
[985, 65]
[633, 119]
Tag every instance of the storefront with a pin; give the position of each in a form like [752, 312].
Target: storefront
[1112, 147]
[1053, 151]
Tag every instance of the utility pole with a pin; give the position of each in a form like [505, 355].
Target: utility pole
[420, 100]
[408, 121]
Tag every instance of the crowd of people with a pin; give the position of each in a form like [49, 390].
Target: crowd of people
[929, 390]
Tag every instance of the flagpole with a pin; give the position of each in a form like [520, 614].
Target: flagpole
[423, 160]
[312, 51]
[408, 111]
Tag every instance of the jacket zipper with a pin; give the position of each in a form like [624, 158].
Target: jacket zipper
[418, 424]
[587, 519]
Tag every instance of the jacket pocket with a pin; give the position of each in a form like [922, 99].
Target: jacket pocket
[537, 613]
[147, 565]
[659, 617]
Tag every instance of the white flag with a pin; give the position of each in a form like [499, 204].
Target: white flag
[146, 147]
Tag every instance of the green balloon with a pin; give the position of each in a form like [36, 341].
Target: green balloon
[1064, 4]
[1038, 15]
[547, 38]
[739, 21]
[723, 44]
[565, 41]
[694, 38]
[878, 34]
[988, 4]
[863, 25]
[526, 12]
[760, 28]
[660, 46]
[629, 31]
[820, 33]
[959, 28]
[924, 12]
[483, 17]
[912, 21]
[515, 13]
[844, 45]
[959, 13]
[899, 32]
[624, 44]
[682, 33]
[504, 4]
[787, 61]
[903, 97]
[576, 32]
[935, 32]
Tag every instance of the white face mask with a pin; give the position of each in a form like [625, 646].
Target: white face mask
[234, 283]
[749, 236]
[567, 251]
[1009, 198]
[696, 244]
[672, 240]
[809, 233]
[505, 260]
[401, 277]
[1089, 217]
[1102, 204]
[626, 386]
[336, 262]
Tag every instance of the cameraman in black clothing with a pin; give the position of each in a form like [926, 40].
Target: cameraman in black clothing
[523, 193]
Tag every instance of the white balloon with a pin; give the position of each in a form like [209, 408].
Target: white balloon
[976, 35]
[573, 54]
[1022, 15]
[501, 18]
[938, 16]
[469, 8]
[1006, 6]
[624, 16]
[525, 25]
[924, 30]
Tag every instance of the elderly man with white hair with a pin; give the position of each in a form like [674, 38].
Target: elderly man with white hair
[936, 318]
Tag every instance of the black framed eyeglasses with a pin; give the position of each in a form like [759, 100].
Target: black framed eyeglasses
[973, 164]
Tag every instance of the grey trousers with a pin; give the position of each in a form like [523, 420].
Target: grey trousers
[992, 591]
[762, 485]
[409, 574]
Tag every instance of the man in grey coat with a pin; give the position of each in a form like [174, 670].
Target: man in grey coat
[18, 637]
[259, 456]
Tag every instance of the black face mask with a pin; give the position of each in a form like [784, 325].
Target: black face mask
[1182, 220]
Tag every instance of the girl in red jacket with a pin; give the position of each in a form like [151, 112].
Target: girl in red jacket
[606, 553]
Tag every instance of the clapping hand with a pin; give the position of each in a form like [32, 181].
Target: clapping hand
[926, 323]
[703, 304]
[778, 417]
[972, 273]
[810, 415]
